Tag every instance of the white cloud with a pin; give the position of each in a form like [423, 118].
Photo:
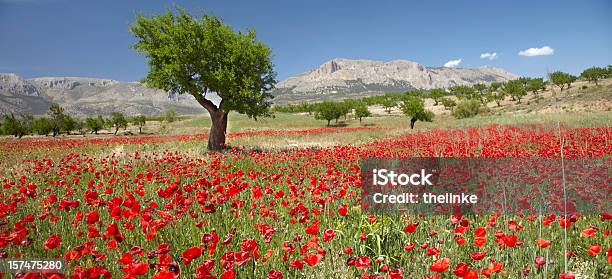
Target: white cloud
[489, 55]
[535, 51]
[452, 63]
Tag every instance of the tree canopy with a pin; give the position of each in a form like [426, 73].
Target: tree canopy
[199, 56]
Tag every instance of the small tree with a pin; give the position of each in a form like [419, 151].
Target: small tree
[117, 120]
[328, 111]
[594, 74]
[561, 79]
[57, 119]
[414, 108]
[480, 89]
[70, 124]
[467, 108]
[388, 104]
[42, 126]
[536, 84]
[436, 94]
[463, 92]
[94, 124]
[448, 103]
[361, 111]
[12, 126]
[515, 89]
[170, 116]
[139, 121]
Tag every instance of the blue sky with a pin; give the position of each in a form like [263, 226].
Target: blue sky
[91, 38]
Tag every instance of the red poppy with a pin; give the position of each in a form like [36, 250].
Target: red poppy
[52, 242]
[461, 269]
[411, 228]
[342, 210]
[440, 265]
[594, 249]
[510, 240]
[543, 243]
[477, 256]
[328, 235]
[539, 261]
[480, 241]
[312, 259]
[275, 274]
[191, 253]
[363, 262]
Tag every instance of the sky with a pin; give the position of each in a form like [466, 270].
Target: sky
[529, 38]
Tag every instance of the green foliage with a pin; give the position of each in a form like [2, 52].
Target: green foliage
[561, 79]
[466, 109]
[536, 84]
[139, 121]
[94, 124]
[13, 126]
[515, 89]
[194, 56]
[414, 108]
[463, 92]
[57, 119]
[42, 126]
[295, 108]
[436, 94]
[170, 116]
[448, 103]
[481, 90]
[594, 74]
[329, 111]
[388, 104]
[415, 93]
[117, 120]
[361, 111]
[70, 124]
[495, 93]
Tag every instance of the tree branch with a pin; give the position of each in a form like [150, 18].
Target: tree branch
[207, 104]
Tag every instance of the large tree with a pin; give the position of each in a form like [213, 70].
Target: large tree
[203, 56]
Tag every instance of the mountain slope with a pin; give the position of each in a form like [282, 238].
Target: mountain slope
[344, 78]
[88, 96]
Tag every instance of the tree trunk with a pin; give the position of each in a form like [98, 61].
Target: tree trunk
[140, 130]
[412, 121]
[216, 139]
[328, 122]
[116, 130]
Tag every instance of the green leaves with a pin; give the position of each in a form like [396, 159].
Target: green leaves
[414, 108]
[199, 56]
[560, 79]
[594, 74]
[515, 89]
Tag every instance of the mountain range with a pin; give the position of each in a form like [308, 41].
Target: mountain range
[88, 96]
[335, 79]
[345, 78]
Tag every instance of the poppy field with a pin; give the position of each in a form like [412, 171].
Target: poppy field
[164, 212]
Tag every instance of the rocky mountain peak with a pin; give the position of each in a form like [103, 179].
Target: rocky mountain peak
[346, 78]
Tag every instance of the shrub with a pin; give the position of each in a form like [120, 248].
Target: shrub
[466, 109]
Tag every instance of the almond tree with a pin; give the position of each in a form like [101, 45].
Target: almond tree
[414, 108]
[594, 74]
[203, 56]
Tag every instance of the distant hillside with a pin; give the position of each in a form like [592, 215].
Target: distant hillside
[88, 96]
[344, 78]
